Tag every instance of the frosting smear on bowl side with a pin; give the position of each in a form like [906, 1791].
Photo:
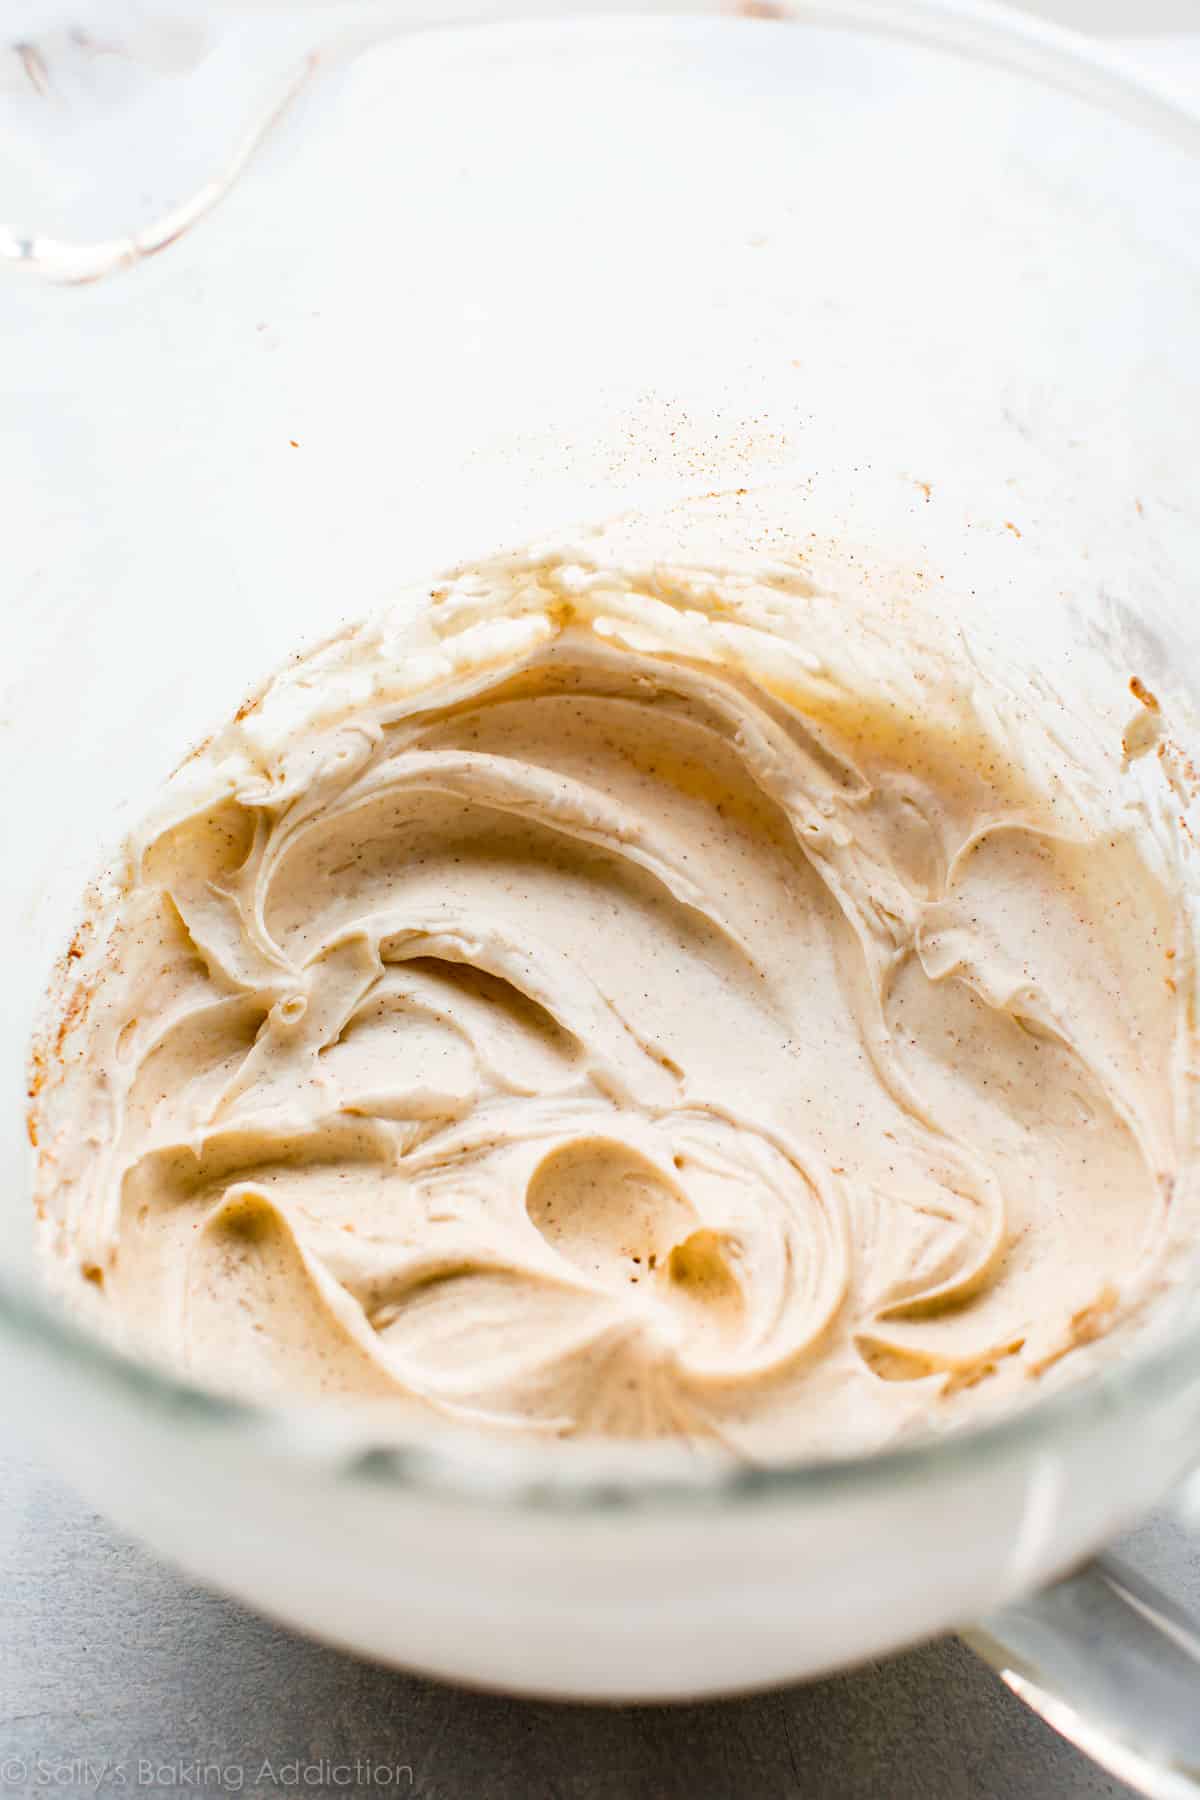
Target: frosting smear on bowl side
[615, 995]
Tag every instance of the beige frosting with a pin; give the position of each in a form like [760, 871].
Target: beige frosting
[631, 997]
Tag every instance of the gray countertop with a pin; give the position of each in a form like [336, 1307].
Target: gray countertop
[116, 1673]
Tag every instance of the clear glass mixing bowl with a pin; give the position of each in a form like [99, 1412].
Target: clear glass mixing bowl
[946, 281]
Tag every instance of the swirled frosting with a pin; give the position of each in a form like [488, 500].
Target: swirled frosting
[637, 998]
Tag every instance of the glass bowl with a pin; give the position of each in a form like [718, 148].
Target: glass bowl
[946, 283]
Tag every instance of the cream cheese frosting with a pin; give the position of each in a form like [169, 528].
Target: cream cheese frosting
[615, 993]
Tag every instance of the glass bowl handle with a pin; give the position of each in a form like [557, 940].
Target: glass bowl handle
[1113, 1664]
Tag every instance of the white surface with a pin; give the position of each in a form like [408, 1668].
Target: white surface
[1115, 17]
